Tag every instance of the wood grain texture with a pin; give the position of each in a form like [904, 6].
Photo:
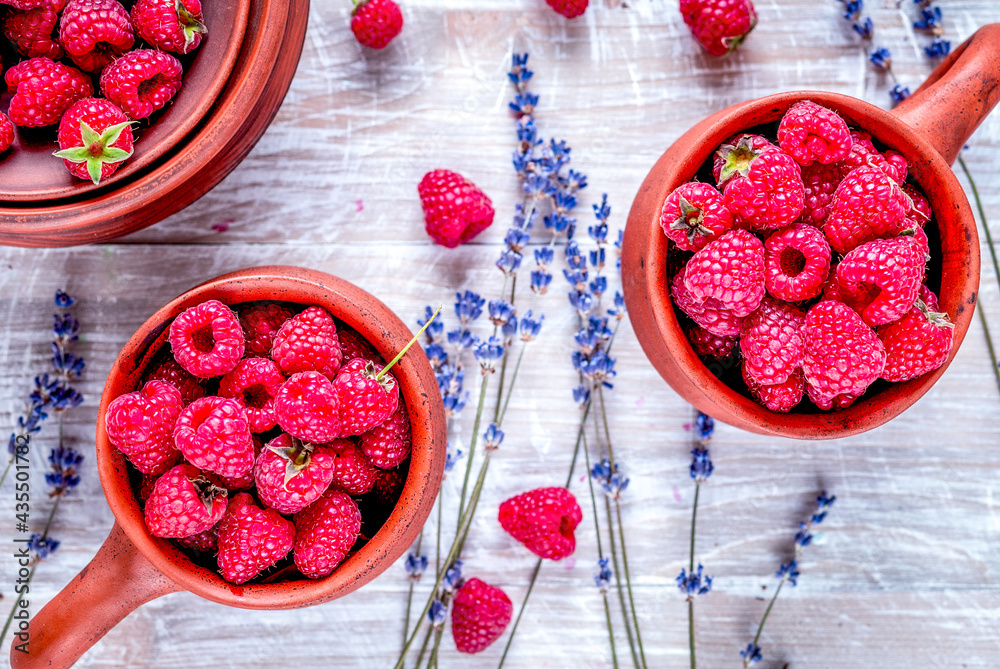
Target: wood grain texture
[907, 574]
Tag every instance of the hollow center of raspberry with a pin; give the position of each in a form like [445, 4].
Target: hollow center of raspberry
[203, 339]
[566, 527]
[149, 87]
[96, 148]
[792, 262]
[865, 294]
[255, 396]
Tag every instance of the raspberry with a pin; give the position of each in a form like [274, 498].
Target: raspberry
[169, 25]
[388, 484]
[737, 160]
[365, 400]
[843, 356]
[325, 531]
[796, 263]
[6, 132]
[306, 407]
[189, 386]
[308, 343]
[251, 539]
[291, 474]
[772, 341]
[543, 520]
[353, 345]
[455, 210]
[207, 339]
[866, 206]
[244, 481]
[811, 133]
[142, 81]
[780, 397]
[95, 32]
[864, 139]
[375, 23]
[214, 435]
[693, 215]
[897, 162]
[864, 153]
[480, 613]
[95, 137]
[252, 384]
[44, 90]
[919, 212]
[837, 402]
[763, 188]
[261, 323]
[730, 270]
[184, 502]
[708, 345]
[719, 25]
[141, 425]
[146, 484]
[32, 4]
[203, 542]
[820, 182]
[33, 32]
[881, 279]
[709, 314]
[352, 471]
[388, 445]
[570, 9]
[917, 343]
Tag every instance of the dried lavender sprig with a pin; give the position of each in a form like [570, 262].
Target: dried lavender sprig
[690, 581]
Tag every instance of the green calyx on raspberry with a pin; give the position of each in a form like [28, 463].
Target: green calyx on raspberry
[97, 149]
[691, 221]
[297, 457]
[189, 24]
[387, 383]
[737, 158]
[938, 318]
[207, 491]
[733, 42]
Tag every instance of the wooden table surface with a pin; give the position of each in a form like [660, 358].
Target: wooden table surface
[909, 572]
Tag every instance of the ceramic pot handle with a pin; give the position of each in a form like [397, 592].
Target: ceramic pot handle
[117, 581]
[959, 94]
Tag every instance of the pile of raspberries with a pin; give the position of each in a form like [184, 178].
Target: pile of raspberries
[805, 263]
[262, 437]
[68, 46]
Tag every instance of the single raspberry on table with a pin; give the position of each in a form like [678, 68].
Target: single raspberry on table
[308, 342]
[709, 345]
[543, 520]
[881, 279]
[810, 133]
[455, 210]
[780, 397]
[796, 263]
[480, 613]
[140, 424]
[388, 445]
[375, 23]
[261, 323]
[207, 339]
[307, 407]
[820, 182]
[184, 502]
[353, 345]
[6, 132]
[772, 341]
[709, 314]
[569, 8]
[867, 205]
[694, 214]
[252, 384]
[719, 25]
[214, 435]
[95, 137]
[34, 32]
[251, 539]
[291, 474]
[763, 187]
[917, 343]
[169, 25]
[325, 531]
[203, 542]
[189, 385]
[43, 91]
[142, 81]
[737, 160]
[843, 355]
[366, 400]
[353, 472]
[730, 270]
[95, 32]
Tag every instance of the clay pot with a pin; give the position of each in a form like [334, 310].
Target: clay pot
[133, 567]
[929, 129]
[141, 195]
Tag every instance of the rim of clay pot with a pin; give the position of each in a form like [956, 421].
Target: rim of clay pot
[387, 333]
[956, 255]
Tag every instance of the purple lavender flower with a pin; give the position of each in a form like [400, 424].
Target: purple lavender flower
[416, 565]
[42, 547]
[694, 583]
[603, 577]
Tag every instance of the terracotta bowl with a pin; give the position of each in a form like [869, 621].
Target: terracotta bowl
[231, 126]
[133, 567]
[929, 129]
